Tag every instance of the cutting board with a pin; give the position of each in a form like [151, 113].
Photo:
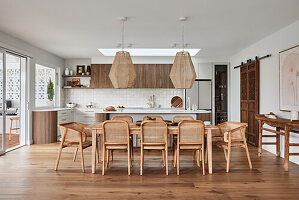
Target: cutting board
[176, 102]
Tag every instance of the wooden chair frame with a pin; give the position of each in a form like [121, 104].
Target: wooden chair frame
[81, 143]
[117, 146]
[226, 146]
[154, 146]
[199, 147]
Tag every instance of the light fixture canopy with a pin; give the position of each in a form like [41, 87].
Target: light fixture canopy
[182, 73]
[122, 73]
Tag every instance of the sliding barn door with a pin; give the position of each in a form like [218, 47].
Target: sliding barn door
[249, 94]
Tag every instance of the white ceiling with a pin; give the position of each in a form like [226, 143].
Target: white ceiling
[77, 28]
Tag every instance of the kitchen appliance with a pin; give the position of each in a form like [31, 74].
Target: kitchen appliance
[200, 95]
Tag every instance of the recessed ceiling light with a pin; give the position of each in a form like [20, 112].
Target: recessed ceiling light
[148, 52]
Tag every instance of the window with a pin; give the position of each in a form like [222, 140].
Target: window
[43, 76]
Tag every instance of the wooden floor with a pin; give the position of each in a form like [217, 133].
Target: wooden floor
[13, 142]
[28, 173]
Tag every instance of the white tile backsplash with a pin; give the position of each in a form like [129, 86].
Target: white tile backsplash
[102, 98]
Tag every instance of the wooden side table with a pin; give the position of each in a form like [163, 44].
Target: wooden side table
[283, 127]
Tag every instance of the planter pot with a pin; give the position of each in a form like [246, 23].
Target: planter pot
[50, 103]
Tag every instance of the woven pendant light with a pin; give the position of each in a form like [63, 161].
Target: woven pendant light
[182, 73]
[122, 73]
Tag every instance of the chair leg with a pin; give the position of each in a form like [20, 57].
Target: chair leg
[203, 161]
[75, 155]
[141, 160]
[206, 156]
[166, 159]
[225, 154]
[98, 152]
[163, 157]
[108, 157]
[129, 159]
[111, 152]
[103, 159]
[194, 152]
[175, 157]
[197, 158]
[60, 150]
[228, 157]
[132, 151]
[178, 160]
[58, 156]
[248, 156]
[82, 156]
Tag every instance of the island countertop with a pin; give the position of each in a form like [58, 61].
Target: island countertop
[144, 110]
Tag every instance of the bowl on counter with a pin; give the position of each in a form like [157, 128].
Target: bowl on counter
[71, 105]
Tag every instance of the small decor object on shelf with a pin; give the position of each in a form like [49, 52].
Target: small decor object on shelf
[69, 83]
[76, 82]
[110, 108]
[80, 69]
[88, 70]
[71, 72]
[50, 93]
[67, 71]
[71, 105]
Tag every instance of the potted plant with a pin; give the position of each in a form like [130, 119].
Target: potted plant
[50, 93]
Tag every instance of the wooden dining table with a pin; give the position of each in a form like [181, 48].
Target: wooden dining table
[96, 130]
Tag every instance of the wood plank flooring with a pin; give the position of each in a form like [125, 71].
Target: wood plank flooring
[28, 173]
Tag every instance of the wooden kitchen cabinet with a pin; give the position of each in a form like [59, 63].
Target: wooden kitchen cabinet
[100, 76]
[44, 127]
[147, 76]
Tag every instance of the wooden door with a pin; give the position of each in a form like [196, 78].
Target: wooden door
[249, 98]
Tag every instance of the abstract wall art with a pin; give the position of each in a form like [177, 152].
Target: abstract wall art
[289, 79]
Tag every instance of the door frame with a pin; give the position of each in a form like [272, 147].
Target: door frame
[3, 149]
[24, 78]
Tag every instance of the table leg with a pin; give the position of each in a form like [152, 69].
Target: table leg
[93, 151]
[286, 149]
[278, 142]
[260, 139]
[210, 150]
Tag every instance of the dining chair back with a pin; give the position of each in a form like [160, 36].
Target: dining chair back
[233, 136]
[116, 136]
[154, 136]
[158, 118]
[191, 134]
[126, 118]
[177, 119]
[73, 134]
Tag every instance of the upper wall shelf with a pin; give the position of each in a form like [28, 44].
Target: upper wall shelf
[76, 75]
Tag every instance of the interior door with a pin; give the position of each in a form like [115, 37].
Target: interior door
[2, 104]
[249, 94]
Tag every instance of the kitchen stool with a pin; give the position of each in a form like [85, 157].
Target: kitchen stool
[17, 127]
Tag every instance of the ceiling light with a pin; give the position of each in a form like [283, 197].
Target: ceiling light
[148, 52]
[182, 73]
[122, 73]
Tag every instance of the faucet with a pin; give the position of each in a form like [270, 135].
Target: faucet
[151, 101]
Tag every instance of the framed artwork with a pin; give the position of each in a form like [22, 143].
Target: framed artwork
[80, 69]
[289, 79]
[76, 82]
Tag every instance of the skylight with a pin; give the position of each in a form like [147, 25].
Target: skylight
[148, 52]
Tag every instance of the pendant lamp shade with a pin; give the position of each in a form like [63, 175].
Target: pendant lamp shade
[182, 73]
[122, 73]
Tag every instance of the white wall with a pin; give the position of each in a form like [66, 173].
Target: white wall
[269, 76]
[39, 56]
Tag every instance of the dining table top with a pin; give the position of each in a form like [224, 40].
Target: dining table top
[136, 128]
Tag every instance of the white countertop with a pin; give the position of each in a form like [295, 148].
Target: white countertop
[49, 109]
[143, 110]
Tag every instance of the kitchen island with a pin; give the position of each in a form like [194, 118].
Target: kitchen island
[85, 115]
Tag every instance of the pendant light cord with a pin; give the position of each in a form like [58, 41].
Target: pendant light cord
[183, 36]
[123, 37]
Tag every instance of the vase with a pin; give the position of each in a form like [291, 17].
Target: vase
[71, 72]
[66, 71]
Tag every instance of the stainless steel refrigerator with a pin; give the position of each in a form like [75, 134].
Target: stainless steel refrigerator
[200, 94]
